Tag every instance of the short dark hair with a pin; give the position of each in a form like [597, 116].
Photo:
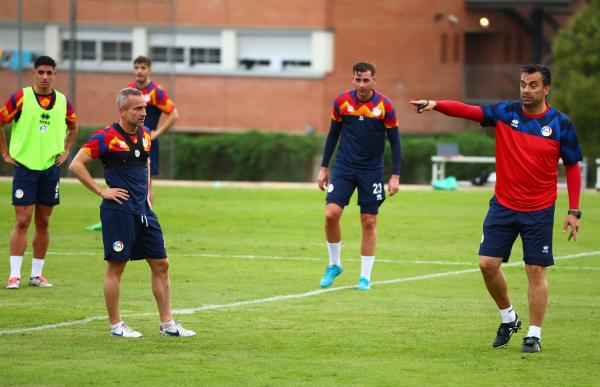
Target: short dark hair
[143, 60]
[538, 68]
[362, 67]
[44, 60]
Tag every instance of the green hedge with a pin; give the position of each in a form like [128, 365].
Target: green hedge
[259, 156]
[250, 156]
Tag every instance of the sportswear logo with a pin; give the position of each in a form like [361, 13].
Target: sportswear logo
[43, 128]
[379, 197]
[330, 187]
[546, 131]
[545, 250]
[45, 116]
[122, 145]
[19, 194]
[376, 112]
[118, 246]
[361, 118]
[56, 191]
[515, 123]
[349, 109]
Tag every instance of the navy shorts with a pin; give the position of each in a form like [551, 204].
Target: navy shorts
[36, 187]
[154, 159]
[502, 226]
[371, 190]
[130, 236]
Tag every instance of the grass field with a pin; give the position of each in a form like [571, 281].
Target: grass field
[245, 269]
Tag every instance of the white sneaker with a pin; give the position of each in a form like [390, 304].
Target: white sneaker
[176, 330]
[13, 283]
[39, 281]
[123, 330]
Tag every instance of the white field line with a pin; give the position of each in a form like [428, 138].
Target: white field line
[286, 258]
[277, 298]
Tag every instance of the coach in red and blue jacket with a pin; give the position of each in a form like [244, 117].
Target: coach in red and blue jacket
[531, 136]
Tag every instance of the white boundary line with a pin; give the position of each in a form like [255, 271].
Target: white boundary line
[204, 308]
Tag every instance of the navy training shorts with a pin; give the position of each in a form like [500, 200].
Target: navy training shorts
[371, 189]
[129, 236]
[502, 226]
[36, 187]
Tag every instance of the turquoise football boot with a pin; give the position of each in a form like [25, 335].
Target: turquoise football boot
[331, 272]
[363, 283]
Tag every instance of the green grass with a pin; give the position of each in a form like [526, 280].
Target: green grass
[428, 331]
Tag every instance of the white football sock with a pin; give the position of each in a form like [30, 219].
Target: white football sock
[535, 331]
[334, 253]
[117, 325]
[167, 324]
[15, 265]
[36, 267]
[508, 315]
[366, 265]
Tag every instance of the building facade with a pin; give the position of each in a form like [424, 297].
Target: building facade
[277, 65]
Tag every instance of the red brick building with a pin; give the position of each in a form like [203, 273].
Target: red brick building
[278, 64]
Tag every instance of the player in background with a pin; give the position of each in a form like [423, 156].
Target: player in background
[361, 120]
[131, 230]
[531, 136]
[158, 103]
[43, 132]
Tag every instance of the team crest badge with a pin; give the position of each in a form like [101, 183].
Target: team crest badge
[546, 131]
[19, 194]
[376, 112]
[137, 153]
[349, 109]
[330, 187]
[118, 246]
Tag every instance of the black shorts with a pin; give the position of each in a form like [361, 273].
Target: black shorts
[130, 236]
[371, 190]
[36, 187]
[502, 226]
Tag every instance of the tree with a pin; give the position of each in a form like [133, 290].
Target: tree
[577, 74]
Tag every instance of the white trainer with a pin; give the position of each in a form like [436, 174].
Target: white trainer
[175, 329]
[39, 281]
[123, 330]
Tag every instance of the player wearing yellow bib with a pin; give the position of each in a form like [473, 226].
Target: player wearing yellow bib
[43, 131]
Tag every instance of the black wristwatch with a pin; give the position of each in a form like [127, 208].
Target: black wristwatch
[577, 213]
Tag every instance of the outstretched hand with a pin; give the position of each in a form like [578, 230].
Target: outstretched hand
[423, 105]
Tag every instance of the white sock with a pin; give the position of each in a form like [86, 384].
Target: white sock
[366, 265]
[36, 266]
[15, 265]
[167, 324]
[535, 331]
[334, 253]
[508, 315]
[116, 325]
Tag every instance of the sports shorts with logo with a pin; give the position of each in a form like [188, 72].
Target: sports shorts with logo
[129, 236]
[502, 226]
[371, 190]
[36, 187]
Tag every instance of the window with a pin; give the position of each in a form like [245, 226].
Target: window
[167, 54]
[116, 51]
[84, 49]
[205, 55]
